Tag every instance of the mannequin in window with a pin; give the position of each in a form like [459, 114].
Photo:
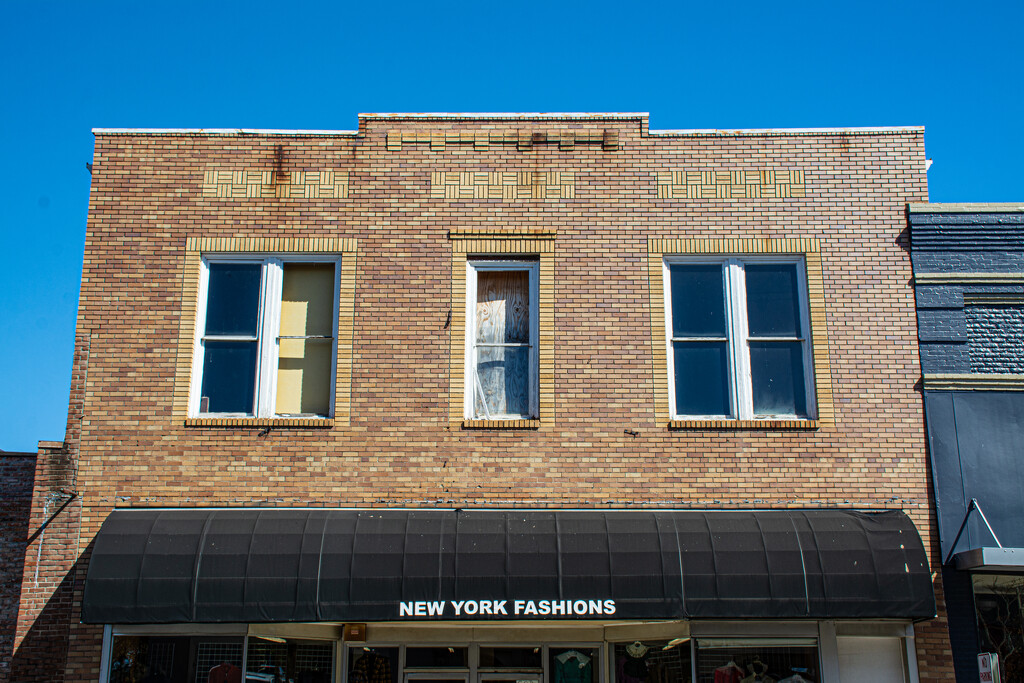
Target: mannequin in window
[632, 668]
[573, 667]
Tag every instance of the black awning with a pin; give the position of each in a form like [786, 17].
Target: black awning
[267, 565]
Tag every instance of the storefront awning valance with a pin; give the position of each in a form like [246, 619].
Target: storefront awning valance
[268, 565]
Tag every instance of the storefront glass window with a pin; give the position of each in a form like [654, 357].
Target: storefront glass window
[373, 665]
[520, 658]
[175, 659]
[436, 658]
[653, 661]
[573, 665]
[999, 601]
[757, 661]
[286, 660]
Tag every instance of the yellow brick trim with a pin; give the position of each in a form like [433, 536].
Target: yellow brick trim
[503, 233]
[501, 424]
[768, 425]
[271, 245]
[256, 183]
[457, 340]
[805, 245]
[346, 330]
[819, 338]
[656, 287]
[186, 333]
[312, 423]
[523, 139]
[195, 247]
[809, 248]
[730, 184]
[544, 249]
[499, 246]
[504, 185]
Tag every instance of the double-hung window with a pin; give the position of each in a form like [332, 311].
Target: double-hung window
[502, 336]
[266, 337]
[738, 338]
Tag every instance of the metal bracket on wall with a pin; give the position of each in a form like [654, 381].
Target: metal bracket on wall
[963, 525]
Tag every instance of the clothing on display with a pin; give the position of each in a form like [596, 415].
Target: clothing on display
[573, 667]
[371, 668]
[225, 673]
[730, 673]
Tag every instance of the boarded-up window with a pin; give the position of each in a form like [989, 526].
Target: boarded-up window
[306, 339]
[502, 373]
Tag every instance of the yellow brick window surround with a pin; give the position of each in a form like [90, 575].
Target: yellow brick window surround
[469, 244]
[196, 248]
[808, 249]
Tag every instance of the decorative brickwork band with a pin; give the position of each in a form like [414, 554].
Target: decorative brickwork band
[248, 183]
[730, 185]
[524, 140]
[508, 186]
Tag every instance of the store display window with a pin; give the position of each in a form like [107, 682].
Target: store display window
[518, 658]
[573, 665]
[270, 659]
[762, 660]
[650, 661]
[220, 659]
[436, 657]
[175, 659]
[373, 665]
[999, 601]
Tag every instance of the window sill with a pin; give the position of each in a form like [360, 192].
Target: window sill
[765, 425]
[501, 424]
[291, 422]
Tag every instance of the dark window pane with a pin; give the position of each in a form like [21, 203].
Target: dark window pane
[436, 657]
[702, 378]
[698, 300]
[229, 377]
[510, 658]
[777, 375]
[503, 307]
[658, 661]
[773, 307]
[233, 299]
[502, 380]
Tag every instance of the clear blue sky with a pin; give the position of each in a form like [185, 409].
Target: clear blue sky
[66, 67]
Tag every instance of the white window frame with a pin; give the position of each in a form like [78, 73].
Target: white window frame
[738, 337]
[473, 266]
[269, 326]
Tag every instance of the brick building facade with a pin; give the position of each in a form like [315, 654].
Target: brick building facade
[17, 473]
[609, 240]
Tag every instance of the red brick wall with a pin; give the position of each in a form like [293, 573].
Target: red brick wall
[17, 472]
[605, 448]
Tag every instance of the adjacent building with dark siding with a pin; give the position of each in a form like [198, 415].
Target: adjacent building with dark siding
[969, 274]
